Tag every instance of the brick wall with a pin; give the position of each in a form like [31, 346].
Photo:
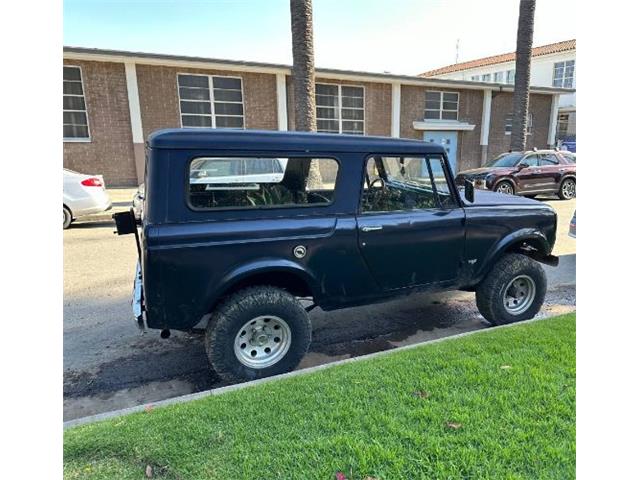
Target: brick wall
[159, 103]
[540, 108]
[412, 106]
[110, 151]
[377, 99]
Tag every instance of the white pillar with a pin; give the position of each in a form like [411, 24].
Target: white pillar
[486, 126]
[395, 109]
[134, 102]
[553, 120]
[281, 93]
[136, 118]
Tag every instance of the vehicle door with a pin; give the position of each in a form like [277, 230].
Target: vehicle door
[550, 172]
[527, 173]
[410, 224]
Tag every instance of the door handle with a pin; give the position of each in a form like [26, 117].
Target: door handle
[537, 171]
[371, 228]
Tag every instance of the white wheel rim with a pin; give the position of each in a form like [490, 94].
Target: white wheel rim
[519, 294]
[262, 342]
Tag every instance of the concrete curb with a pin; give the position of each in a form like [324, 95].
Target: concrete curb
[295, 373]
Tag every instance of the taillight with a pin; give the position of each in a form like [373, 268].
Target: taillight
[92, 182]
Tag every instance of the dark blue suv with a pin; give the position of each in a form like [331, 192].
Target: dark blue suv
[243, 232]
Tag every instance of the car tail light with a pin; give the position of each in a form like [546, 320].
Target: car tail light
[92, 182]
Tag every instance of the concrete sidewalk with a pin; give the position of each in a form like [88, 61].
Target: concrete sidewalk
[121, 199]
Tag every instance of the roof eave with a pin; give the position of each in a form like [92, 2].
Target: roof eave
[119, 56]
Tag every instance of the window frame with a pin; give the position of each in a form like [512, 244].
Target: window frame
[212, 100]
[425, 156]
[339, 119]
[563, 77]
[441, 109]
[88, 138]
[270, 154]
[513, 75]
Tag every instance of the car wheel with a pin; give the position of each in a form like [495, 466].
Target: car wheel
[66, 218]
[513, 291]
[567, 189]
[257, 332]
[504, 187]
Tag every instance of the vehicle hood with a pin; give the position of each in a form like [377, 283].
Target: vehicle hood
[485, 198]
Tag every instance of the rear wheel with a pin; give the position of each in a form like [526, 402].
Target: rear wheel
[567, 189]
[504, 187]
[66, 218]
[513, 291]
[257, 332]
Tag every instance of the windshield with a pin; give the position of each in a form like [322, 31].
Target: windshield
[505, 160]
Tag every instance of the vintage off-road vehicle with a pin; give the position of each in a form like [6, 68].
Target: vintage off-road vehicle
[243, 232]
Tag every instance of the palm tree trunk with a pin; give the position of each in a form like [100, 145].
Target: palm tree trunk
[523, 75]
[304, 94]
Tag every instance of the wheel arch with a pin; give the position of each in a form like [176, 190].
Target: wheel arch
[284, 274]
[505, 179]
[527, 241]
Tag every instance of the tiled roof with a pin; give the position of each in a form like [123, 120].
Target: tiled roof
[505, 57]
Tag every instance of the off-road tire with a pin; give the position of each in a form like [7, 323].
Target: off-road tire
[561, 193]
[240, 308]
[66, 218]
[489, 294]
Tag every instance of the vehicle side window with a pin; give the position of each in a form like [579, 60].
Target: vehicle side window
[531, 160]
[404, 183]
[261, 182]
[548, 159]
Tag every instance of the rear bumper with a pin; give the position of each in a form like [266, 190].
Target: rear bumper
[137, 300]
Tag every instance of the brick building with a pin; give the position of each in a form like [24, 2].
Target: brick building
[113, 100]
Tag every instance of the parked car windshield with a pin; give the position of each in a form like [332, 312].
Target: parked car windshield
[505, 160]
[570, 157]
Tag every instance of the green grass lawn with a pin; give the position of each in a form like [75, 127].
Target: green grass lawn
[499, 404]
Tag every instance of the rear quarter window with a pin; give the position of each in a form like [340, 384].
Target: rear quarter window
[261, 182]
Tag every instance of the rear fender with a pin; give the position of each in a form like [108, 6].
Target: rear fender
[262, 268]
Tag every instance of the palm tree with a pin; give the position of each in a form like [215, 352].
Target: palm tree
[303, 71]
[523, 75]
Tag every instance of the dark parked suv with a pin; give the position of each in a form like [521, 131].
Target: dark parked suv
[239, 226]
[526, 173]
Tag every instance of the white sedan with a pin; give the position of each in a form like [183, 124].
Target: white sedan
[82, 195]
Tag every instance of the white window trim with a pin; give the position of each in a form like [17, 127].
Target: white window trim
[563, 77]
[212, 100]
[86, 139]
[364, 107]
[529, 125]
[441, 109]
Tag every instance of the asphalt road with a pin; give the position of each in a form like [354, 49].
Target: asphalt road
[109, 364]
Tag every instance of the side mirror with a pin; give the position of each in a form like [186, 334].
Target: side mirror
[522, 166]
[469, 191]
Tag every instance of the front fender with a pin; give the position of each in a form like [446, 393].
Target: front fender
[532, 236]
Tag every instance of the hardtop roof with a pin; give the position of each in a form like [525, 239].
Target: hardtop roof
[267, 140]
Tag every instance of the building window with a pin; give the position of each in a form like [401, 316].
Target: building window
[475, 78]
[563, 74]
[486, 77]
[340, 109]
[74, 109]
[511, 76]
[441, 106]
[508, 124]
[210, 101]
[497, 77]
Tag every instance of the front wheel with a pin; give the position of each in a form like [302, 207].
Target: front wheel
[504, 187]
[567, 189]
[257, 332]
[513, 291]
